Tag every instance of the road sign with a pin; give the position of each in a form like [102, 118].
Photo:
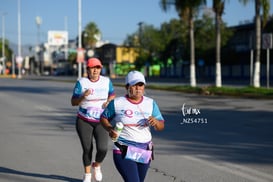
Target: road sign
[57, 38]
[267, 41]
[80, 55]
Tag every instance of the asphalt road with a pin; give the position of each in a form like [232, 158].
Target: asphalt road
[206, 138]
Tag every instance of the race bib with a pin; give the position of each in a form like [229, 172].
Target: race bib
[138, 154]
[94, 112]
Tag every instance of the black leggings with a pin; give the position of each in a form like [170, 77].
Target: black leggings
[86, 131]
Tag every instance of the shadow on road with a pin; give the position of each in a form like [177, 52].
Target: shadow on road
[32, 90]
[5, 170]
[228, 135]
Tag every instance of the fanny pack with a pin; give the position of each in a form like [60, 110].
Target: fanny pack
[135, 154]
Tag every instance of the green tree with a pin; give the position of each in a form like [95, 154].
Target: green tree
[269, 26]
[265, 6]
[91, 35]
[174, 34]
[204, 34]
[8, 52]
[149, 44]
[187, 10]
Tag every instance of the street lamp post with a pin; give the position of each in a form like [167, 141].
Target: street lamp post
[84, 47]
[19, 58]
[38, 21]
[66, 45]
[3, 43]
[79, 38]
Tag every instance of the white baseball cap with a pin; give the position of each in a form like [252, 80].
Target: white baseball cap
[134, 77]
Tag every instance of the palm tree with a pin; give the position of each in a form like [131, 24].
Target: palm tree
[265, 5]
[91, 35]
[186, 10]
[218, 8]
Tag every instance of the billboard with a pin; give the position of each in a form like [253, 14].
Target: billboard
[57, 38]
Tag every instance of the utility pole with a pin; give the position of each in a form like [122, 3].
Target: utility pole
[66, 45]
[3, 43]
[38, 21]
[79, 38]
[19, 58]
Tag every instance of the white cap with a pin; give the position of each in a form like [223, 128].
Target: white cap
[134, 77]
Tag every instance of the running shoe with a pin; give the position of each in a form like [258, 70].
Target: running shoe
[87, 177]
[97, 173]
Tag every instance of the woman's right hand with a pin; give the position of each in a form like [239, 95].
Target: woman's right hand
[86, 93]
[113, 133]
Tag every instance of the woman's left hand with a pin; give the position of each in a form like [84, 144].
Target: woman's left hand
[152, 121]
[105, 104]
[155, 123]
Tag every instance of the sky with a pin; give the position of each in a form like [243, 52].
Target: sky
[115, 18]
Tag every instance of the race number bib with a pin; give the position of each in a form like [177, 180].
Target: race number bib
[138, 154]
[94, 112]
